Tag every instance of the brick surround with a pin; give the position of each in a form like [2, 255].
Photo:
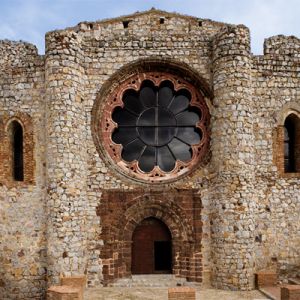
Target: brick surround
[122, 211]
[6, 173]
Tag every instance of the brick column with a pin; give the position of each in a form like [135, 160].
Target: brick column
[66, 152]
[232, 221]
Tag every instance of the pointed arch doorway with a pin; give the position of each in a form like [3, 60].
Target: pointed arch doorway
[151, 248]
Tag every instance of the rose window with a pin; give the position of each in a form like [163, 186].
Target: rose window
[156, 126]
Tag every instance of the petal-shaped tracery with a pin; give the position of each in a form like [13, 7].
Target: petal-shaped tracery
[124, 117]
[180, 150]
[124, 135]
[179, 104]
[132, 103]
[147, 160]
[148, 96]
[188, 135]
[165, 159]
[165, 96]
[187, 118]
[133, 150]
[157, 126]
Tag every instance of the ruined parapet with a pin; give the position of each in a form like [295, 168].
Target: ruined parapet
[282, 45]
[232, 144]
[15, 53]
[66, 131]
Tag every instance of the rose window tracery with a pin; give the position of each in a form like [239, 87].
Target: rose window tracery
[155, 126]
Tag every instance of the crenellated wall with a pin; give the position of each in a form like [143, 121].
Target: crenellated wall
[249, 215]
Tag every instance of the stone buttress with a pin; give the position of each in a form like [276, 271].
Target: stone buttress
[66, 133]
[232, 222]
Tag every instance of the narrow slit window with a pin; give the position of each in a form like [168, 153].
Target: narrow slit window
[125, 23]
[17, 151]
[291, 144]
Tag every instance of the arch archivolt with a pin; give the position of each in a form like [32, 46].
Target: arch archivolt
[287, 109]
[290, 109]
[25, 121]
[122, 211]
[167, 212]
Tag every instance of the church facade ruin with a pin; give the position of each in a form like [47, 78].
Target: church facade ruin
[147, 144]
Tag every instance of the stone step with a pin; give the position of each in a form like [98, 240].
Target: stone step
[152, 280]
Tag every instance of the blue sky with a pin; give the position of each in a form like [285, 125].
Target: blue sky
[29, 20]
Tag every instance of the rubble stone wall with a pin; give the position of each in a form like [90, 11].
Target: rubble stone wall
[250, 208]
[276, 94]
[23, 216]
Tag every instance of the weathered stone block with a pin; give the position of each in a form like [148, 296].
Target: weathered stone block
[265, 278]
[64, 292]
[78, 281]
[181, 293]
[290, 292]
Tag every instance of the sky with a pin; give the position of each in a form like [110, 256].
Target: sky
[29, 20]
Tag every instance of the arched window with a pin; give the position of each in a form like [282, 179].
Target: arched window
[291, 144]
[16, 139]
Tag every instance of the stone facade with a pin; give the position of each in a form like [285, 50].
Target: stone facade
[238, 209]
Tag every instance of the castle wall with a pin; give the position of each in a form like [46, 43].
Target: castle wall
[276, 94]
[250, 209]
[108, 48]
[23, 217]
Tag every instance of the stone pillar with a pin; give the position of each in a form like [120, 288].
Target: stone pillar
[66, 152]
[232, 219]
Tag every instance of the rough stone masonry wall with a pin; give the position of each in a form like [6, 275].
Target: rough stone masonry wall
[276, 94]
[232, 153]
[67, 159]
[109, 47]
[240, 203]
[22, 204]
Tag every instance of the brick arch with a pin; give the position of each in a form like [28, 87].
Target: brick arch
[25, 121]
[287, 110]
[167, 212]
[121, 211]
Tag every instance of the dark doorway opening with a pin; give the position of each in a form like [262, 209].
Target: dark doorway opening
[151, 248]
[162, 256]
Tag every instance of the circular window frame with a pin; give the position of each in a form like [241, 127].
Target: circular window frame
[105, 127]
